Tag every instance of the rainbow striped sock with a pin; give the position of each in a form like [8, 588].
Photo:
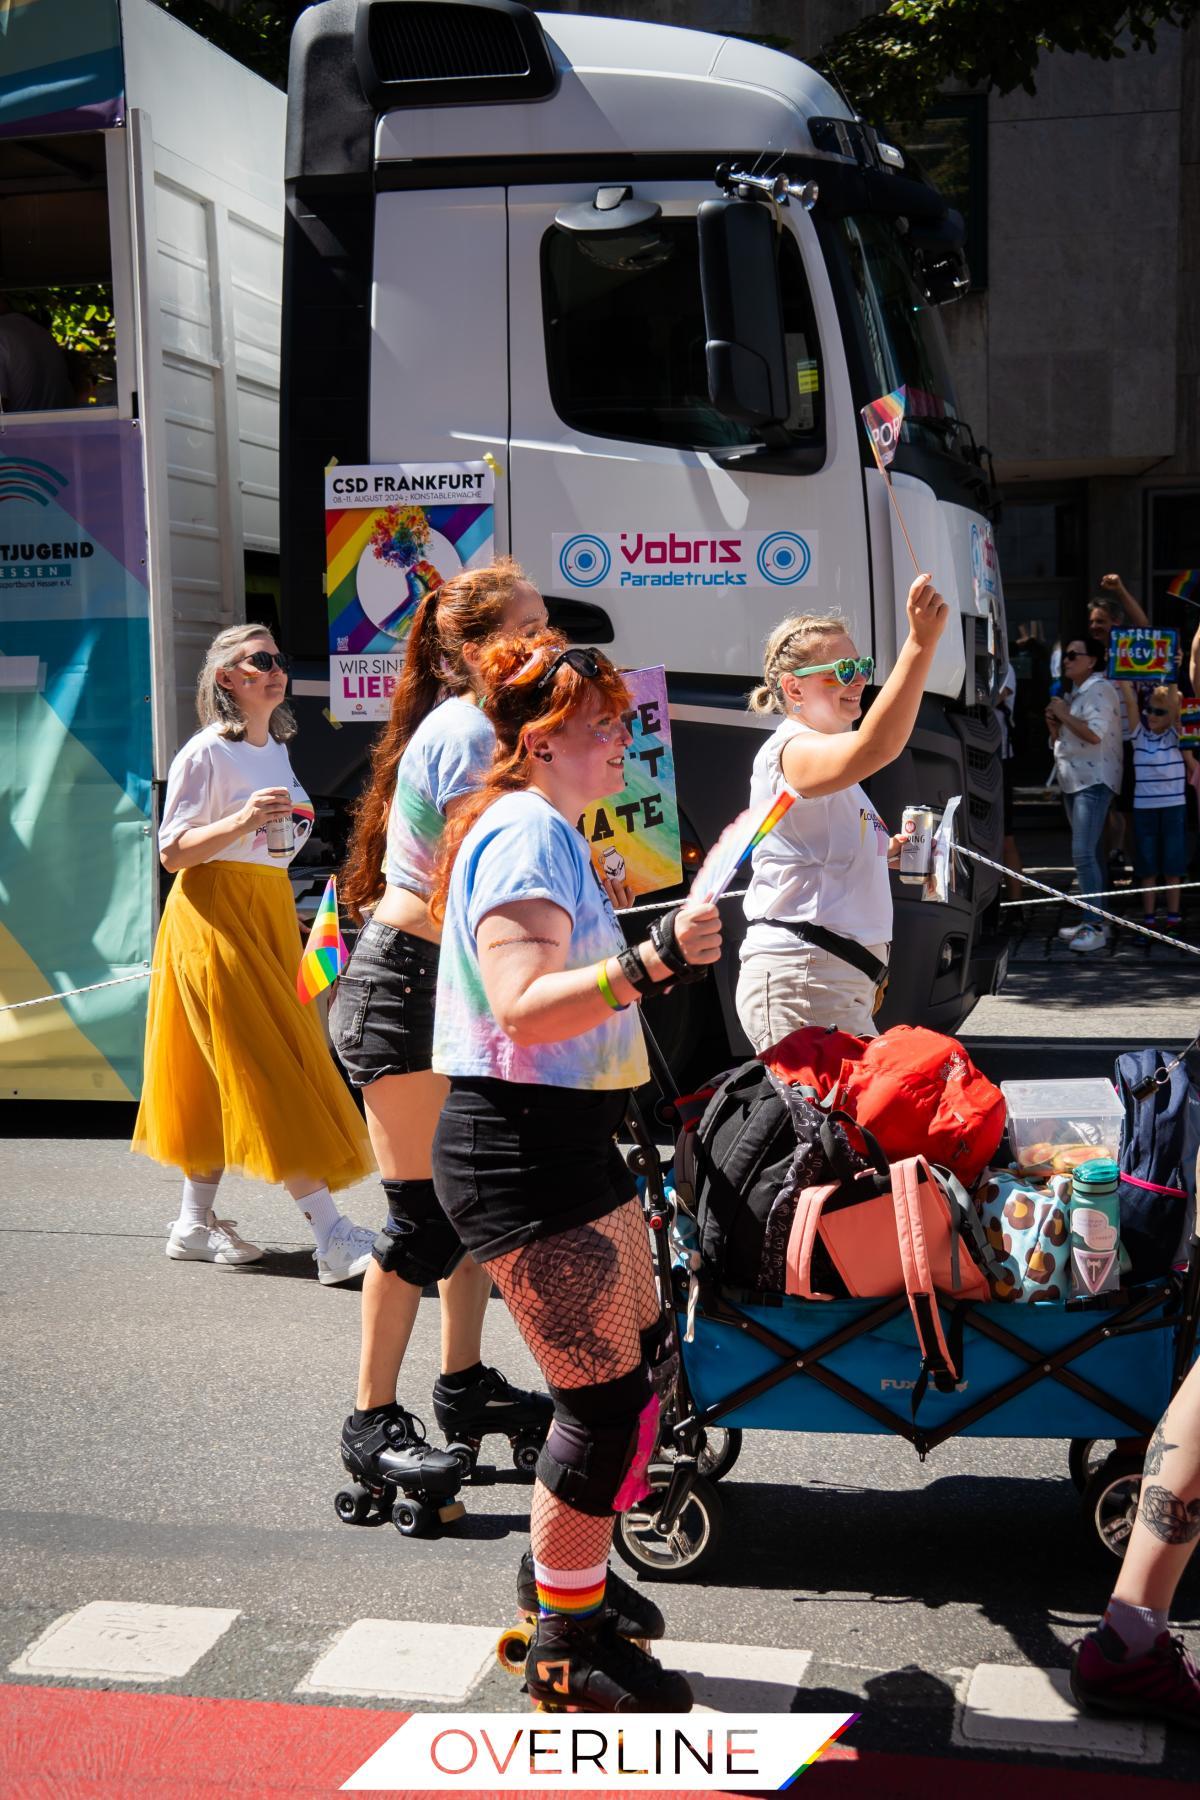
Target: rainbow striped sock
[574, 1593]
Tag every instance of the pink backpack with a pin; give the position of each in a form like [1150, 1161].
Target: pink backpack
[914, 1238]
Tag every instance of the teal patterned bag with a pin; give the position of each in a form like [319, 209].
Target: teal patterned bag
[1028, 1232]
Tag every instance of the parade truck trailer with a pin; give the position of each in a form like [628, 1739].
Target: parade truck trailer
[648, 275]
[141, 215]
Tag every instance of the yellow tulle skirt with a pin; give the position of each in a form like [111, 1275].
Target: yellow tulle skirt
[238, 1074]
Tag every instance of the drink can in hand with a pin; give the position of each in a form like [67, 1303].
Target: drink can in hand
[917, 826]
[281, 835]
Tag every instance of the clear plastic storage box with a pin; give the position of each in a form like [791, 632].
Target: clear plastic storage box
[1053, 1126]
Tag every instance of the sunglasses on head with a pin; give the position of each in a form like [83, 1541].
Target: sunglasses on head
[845, 669]
[266, 660]
[584, 662]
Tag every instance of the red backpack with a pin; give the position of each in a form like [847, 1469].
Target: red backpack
[921, 1095]
[814, 1058]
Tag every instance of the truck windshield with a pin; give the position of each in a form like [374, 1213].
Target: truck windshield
[625, 338]
[903, 333]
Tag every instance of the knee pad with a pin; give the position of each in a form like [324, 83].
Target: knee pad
[600, 1444]
[418, 1243]
[660, 1351]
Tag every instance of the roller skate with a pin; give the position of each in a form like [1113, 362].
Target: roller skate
[583, 1665]
[632, 1615]
[396, 1475]
[466, 1415]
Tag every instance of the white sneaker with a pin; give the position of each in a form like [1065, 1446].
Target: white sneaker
[347, 1255]
[214, 1242]
[1087, 939]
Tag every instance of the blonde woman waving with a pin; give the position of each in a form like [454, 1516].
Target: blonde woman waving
[819, 904]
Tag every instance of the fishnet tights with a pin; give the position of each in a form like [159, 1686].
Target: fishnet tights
[579, 1300]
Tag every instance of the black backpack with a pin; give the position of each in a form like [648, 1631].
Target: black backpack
[730, 1168]
[1158, 1152]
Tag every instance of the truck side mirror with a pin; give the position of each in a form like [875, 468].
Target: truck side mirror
[743, 313]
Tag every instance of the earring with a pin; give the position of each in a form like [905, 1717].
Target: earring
[544, 755]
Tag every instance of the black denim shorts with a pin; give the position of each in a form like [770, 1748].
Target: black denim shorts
[381, 1019]
[513, 1162]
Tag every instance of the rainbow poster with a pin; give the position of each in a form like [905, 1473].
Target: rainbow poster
[883, 419]
[1141, 655]
[393, 532]
[635, 835]
[1189, 724]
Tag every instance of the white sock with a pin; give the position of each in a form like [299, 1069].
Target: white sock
[198, 1200]
[321, 1210]
[1138, 1627]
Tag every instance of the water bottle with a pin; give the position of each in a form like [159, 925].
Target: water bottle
[1095, 1228]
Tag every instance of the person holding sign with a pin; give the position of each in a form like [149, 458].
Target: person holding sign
[426, 764]
[538, 1030]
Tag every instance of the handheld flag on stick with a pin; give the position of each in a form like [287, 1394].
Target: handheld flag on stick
[883, 419]
[325, 954]
[735, 843]
[1185, 584]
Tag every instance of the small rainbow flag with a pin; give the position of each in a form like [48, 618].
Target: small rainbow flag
[325, 954]
[1183, 585]
[883, 419]
[734, 845]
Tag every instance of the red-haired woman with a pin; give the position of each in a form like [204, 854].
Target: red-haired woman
[434, 753]
[538, 1031]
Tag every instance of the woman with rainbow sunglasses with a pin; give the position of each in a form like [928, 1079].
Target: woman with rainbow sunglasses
[819, 904]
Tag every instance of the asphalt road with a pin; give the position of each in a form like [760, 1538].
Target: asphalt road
[170, 1436]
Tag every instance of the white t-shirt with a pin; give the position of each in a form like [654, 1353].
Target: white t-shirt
[1080, 765]
[825, 862]
[213, 776]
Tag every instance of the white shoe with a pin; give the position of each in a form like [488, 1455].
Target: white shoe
[1087, 939]
[347, 1254]
[214, 1242]
[1067, 932]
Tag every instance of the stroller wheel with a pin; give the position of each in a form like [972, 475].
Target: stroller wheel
[1110, 1500]
[722, 1447]
[682, 1552]
[1084, 1457]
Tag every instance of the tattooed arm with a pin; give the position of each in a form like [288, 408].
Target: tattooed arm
[535, 999]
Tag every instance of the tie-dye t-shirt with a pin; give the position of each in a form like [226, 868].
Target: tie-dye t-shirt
[448, 755]
[523, 849]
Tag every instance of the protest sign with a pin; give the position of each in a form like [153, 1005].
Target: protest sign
[1142, 655]
[1189, 724]
[393, 532]
[634, 835]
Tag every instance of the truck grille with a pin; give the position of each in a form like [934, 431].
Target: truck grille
[418, 41]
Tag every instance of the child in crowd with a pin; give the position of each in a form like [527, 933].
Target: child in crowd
[1161, 769]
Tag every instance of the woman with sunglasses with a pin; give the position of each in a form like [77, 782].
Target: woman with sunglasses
[819, 903]
[433, 754]
[237, 1071]
[538, 1031]
[1085, 732]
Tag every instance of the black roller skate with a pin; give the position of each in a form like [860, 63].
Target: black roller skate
[631, 1615]
[397, 1476]
[465, 1416]
[583, 1665]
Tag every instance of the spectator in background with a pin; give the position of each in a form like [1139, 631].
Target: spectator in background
[33, 370]
[1161, 769]
[1115, 609]
[1085, 731]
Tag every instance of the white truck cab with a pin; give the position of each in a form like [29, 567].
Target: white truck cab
[654, 273]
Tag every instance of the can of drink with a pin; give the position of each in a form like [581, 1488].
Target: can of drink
[917, 826]
[281, 836]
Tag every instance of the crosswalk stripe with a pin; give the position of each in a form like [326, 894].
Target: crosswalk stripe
[1006, 1706]
[125, 1640]
[738, 1677]
[403, 1660]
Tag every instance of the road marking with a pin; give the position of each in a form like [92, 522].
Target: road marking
[738, 1677]
[123, 1640]
[1009, 1706]
[401, 1659]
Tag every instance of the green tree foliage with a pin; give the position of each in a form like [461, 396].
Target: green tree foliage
[894, 64]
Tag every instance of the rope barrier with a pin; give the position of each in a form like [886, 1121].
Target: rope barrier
[69, 993]
[1161, 887]
[1073, 900]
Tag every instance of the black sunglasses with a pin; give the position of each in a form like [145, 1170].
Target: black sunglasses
[585, 662]
[1074, 655]
[1159, 712]
[266, 660]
